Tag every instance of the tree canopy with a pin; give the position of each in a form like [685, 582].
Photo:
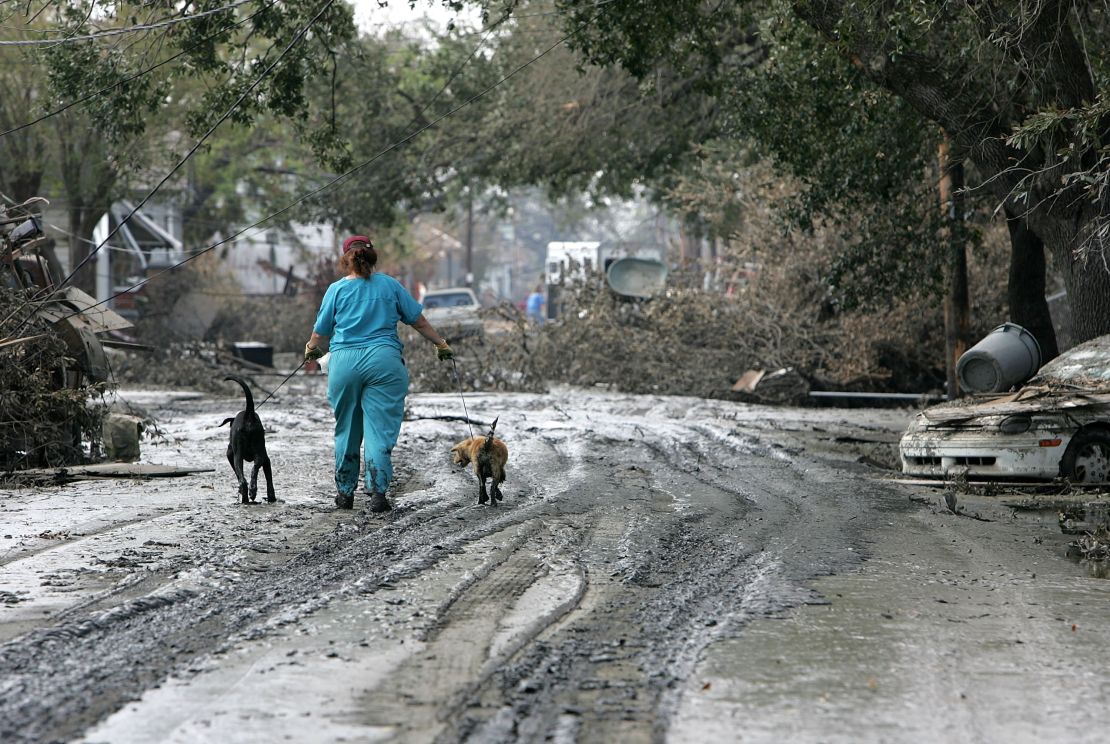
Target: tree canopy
[1020, 88]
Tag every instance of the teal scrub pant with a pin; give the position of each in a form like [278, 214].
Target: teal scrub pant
[366, 390]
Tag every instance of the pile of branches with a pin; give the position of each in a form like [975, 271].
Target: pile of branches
[690, 340]
[685, 341]
[43, 423]
[502, 358]
[284, 323]
[196, 365]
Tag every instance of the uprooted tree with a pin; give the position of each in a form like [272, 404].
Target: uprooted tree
[1019, 87]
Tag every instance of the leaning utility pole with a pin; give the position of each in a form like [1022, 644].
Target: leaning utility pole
[957, 306]
[470, 235]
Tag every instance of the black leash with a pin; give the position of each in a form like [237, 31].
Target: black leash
[455, 372]
[287, 378]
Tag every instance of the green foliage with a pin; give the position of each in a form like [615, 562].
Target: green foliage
[73, 69]
[690, 126]
[850, 143]
[864, 162]
[388, 91]
[640, 34]
[1063, 135]
[224, 52]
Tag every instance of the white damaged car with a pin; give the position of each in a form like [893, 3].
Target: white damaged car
[1057, 425]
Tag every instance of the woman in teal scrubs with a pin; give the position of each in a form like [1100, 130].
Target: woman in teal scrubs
[367, 379]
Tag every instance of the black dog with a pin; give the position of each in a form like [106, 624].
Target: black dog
[248, 442]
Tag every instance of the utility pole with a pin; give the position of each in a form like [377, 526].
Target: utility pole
[957, 305]
[470, 235]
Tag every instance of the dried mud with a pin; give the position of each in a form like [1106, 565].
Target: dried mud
[636, 584]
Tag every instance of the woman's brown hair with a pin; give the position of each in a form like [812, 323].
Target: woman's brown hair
[359, 260]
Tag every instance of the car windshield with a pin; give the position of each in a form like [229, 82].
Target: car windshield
[1086, 364]
[448, 299]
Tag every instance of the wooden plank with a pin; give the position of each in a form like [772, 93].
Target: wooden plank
[104, 470]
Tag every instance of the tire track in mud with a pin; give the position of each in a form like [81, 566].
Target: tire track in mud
[610, 670]
[663, 576]
[455, 652]
[59, 681]
[79, 532]
[605, 668]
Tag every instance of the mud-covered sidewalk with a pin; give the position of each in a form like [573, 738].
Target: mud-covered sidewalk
[661, 568]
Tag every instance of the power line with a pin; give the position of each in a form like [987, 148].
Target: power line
[428, 105]
[300, 34]
[139, 74]
[204, 40]
[334, 181]
[120, 31]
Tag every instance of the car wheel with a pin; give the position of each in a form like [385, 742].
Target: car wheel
[1087, 459]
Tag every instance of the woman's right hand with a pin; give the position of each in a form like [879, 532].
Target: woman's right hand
[444, 352]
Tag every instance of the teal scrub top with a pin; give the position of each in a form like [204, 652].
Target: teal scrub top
[360, 312]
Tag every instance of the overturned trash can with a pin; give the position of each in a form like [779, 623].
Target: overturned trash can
[254, 352]
[1007, 356]
[639, 278]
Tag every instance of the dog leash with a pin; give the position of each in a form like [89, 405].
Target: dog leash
[287, 378]
[455, 372]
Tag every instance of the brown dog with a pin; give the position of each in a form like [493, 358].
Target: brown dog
[489, 456]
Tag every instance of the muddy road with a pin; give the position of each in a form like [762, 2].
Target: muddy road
[660, 569]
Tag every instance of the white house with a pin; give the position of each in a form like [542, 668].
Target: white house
[146, 243]
[276, 260]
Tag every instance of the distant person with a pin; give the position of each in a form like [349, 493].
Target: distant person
[535, 305]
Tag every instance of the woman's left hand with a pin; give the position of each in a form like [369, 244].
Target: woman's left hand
[312, 353]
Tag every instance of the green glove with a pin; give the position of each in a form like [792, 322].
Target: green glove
[312, 353]
[444, 352]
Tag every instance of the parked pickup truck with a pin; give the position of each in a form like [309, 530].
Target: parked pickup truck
[453, 312]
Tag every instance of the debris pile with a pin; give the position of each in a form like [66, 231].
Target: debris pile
[690, 341]
[282, 322]
[1091, 546]
[196, 303]
[43, 423]
[685, 341]
[503, 358]
[197, 365]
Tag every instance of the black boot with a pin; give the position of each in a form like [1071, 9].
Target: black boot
[345, 500]
[379, 503]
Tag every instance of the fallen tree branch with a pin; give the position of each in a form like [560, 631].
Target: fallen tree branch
[12, 341]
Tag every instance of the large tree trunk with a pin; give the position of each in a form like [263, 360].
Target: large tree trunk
[89, 177]
[979, 118]
[1086, 279]
[1026, 287]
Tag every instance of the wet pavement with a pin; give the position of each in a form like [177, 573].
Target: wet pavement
[661, 569]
